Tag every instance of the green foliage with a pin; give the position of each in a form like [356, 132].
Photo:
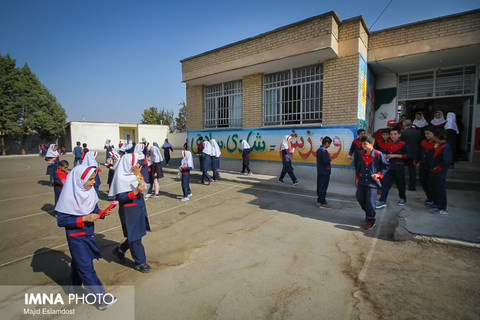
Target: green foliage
[27, 107]
[181, 120]
[153, 116]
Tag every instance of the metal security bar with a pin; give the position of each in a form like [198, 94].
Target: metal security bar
[449, 82]
[293, 97]
[223, 105]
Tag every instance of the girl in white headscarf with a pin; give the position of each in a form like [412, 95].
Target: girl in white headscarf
[111, 164]
[215, 159]
[127, 186]
[90, 161]
[420, 121]
[167, 147]
[287, 153]
[52, 161]
[186, 166]
[438, 119]
[156, 169]
[206, 160]
[451, 130]
[77, 210]
[108, 148]
[245, 157]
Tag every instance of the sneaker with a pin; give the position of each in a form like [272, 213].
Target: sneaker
[210, 182]
[281, 181]
[154, 196]
[380, 205]
[432, 206]
[120, 255]
[143, 268]
[190, 194]
[370, 225]
[325, 206]
[104, 306]
[402, 202]
[296, 182]
[184, 199]
[249, 174]
[428, 203]
[440, 211]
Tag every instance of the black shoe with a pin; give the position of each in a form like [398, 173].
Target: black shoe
[143, 268]
[118, 254]
[104, 306]
[281, 181]
[412, 189]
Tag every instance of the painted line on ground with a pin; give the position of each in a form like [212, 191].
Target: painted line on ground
[19, 179]
[34, 195]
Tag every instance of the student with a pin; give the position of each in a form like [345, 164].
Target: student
[323, 172]
[59, 177]
[412, 138]
[425, 157]
[371, 168]
[206, 155]
[77, 210]
[128, 187]
[52, 158]
[442, 159]
[200, 158]
[64, 151]
[451, 131]
[246, 157]
[145, 167]
[167, 147]
[84, 151]
[381, 145]
[215, 159]
[420, 123]
[108, 148]
[90, 161]
[287, 153]
[42, 150]
[121, 148]
[157, 172]
[401, 123]
[439, 120]
[77, 152]
[185, 167]
[397, 152]
[111, 163]
[356, 146]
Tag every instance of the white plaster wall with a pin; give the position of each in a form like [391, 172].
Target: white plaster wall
[152, 133]
[177, 139]
[94, 133]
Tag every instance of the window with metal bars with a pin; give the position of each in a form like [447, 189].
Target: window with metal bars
[294, 96]
[223, 105]
[448, 82]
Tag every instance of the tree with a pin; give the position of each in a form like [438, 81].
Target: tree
[153, 116]
[8, 76]
[29, 107]
[181, 120]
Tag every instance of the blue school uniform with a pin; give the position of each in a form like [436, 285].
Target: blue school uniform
[51, 167]
[397, 170]
[83, 249]
[354, 151]
[425, 157]
[134, 219]
[58, 180]
[369, 164]
[186, 181]
[442, 159]
[287, 165]
[323, 173]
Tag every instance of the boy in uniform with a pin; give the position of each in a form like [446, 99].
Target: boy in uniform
[323, 172]
[59, 177]
[425, 157]
[372, 166]
[356, 146]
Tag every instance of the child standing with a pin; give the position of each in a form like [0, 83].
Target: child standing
[108, 148]
[52, 158]
[59, 178]
[90, 161]
[287, 153]
[381, 145]
[372, 166]
[128, 186]
[157, 172]
[77, 152]
[356, 146]
[323, 172]
[111, 163]
[84, 151]
[185, 167]
[167, 147]
[206, 155]
[425, 157]
[442, 159]
[77, 210]
[215, 159]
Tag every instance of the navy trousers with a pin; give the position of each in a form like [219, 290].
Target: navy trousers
[186, 183]
[424, 176]
[287, 168]
[397, 175]
[439, 192]
[137, 250]
[207, 163]
[366, 197]
[322, 186]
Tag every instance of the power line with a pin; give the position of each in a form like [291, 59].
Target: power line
[381, 14]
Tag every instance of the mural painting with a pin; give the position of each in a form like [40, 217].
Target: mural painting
[266, 143]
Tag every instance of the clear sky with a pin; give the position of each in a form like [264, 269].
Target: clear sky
[109, 60]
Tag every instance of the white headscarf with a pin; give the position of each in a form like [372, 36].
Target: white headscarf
[207, 148]
[51, 153]
[124, 179]
[108, 143]
[75, 199]
[89, 159]
[187, 160]
[420, 123]
[167, 144]
[155, 153]
[245, 144]
[451, 122]
[437, 122]
[215, 148]
[139, 151]
[285, 142]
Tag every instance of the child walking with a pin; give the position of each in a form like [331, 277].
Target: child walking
[90, 161]
[167, 147]
[215, 159]
[246, 157]
[77, 210]
[111, 163]
[52, 158]
[157, 172]
[59, 178]
[128, 186]
[425, 157]
[287, 153]
[185, 167]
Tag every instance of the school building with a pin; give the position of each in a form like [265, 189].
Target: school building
[326, 76]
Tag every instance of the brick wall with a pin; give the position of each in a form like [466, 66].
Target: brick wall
[297, 32]
[194, 107]
[252, 101]
[340, 91]
[425, 30]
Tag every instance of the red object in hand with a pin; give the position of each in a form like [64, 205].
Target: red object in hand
[112, 205]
